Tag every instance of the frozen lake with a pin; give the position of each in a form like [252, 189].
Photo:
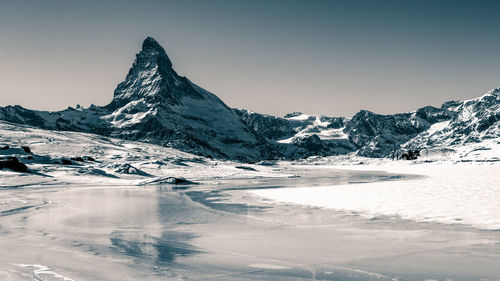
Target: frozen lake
[221, 231]
[450, 193]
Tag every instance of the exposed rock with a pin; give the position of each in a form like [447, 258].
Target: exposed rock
[26, 149]
[410, 155]
[14, 164]
[287, 133]
[470, 122]
[78, 158]
[170, 180]
[66, 162]
[378, 135]
[293, 114]
[270, 127]
[245, 168]
[129, 169]
[311, 143]
[95, 171]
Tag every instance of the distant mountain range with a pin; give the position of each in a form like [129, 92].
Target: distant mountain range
[156, 105]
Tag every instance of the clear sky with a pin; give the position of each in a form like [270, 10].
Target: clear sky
[319, 57]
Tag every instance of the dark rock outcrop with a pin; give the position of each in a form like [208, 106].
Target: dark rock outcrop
[78, 159]
[245, 168]
[169, 180]
[311, 143]
[66, 162]
[129, 170]
[26, 149]
[13, 164]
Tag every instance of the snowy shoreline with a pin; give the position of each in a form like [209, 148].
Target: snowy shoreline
[450, 192]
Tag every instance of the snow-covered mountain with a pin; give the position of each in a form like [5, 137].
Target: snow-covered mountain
[156, 105]
[369, 134]
[298, 135]
[470, 121]
[378, 135]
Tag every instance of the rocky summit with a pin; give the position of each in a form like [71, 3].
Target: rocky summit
[156, 105]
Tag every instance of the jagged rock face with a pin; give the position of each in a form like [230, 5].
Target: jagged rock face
[378, 135]
[470, 121]
[478, 118]
[270, 127]
[298, 135]
[311, 143]
[434, 115]
[374, 134]
[152, 80]
[293, 114]
[293, 124]
[334, 122]
[20, 115]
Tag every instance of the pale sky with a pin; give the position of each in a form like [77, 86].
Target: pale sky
[319, 57]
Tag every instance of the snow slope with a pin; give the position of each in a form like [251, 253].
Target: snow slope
[117, 161]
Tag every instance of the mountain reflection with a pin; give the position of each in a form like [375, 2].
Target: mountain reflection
[163, 249]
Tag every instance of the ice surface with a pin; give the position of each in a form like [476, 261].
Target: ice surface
[43, 273]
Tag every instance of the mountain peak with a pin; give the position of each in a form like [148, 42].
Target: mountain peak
[151, 44]
[151, 77]
[153, 51]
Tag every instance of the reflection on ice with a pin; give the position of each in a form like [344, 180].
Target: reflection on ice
[160, 250]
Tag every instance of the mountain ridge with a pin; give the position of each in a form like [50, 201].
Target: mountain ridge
[154, 104]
